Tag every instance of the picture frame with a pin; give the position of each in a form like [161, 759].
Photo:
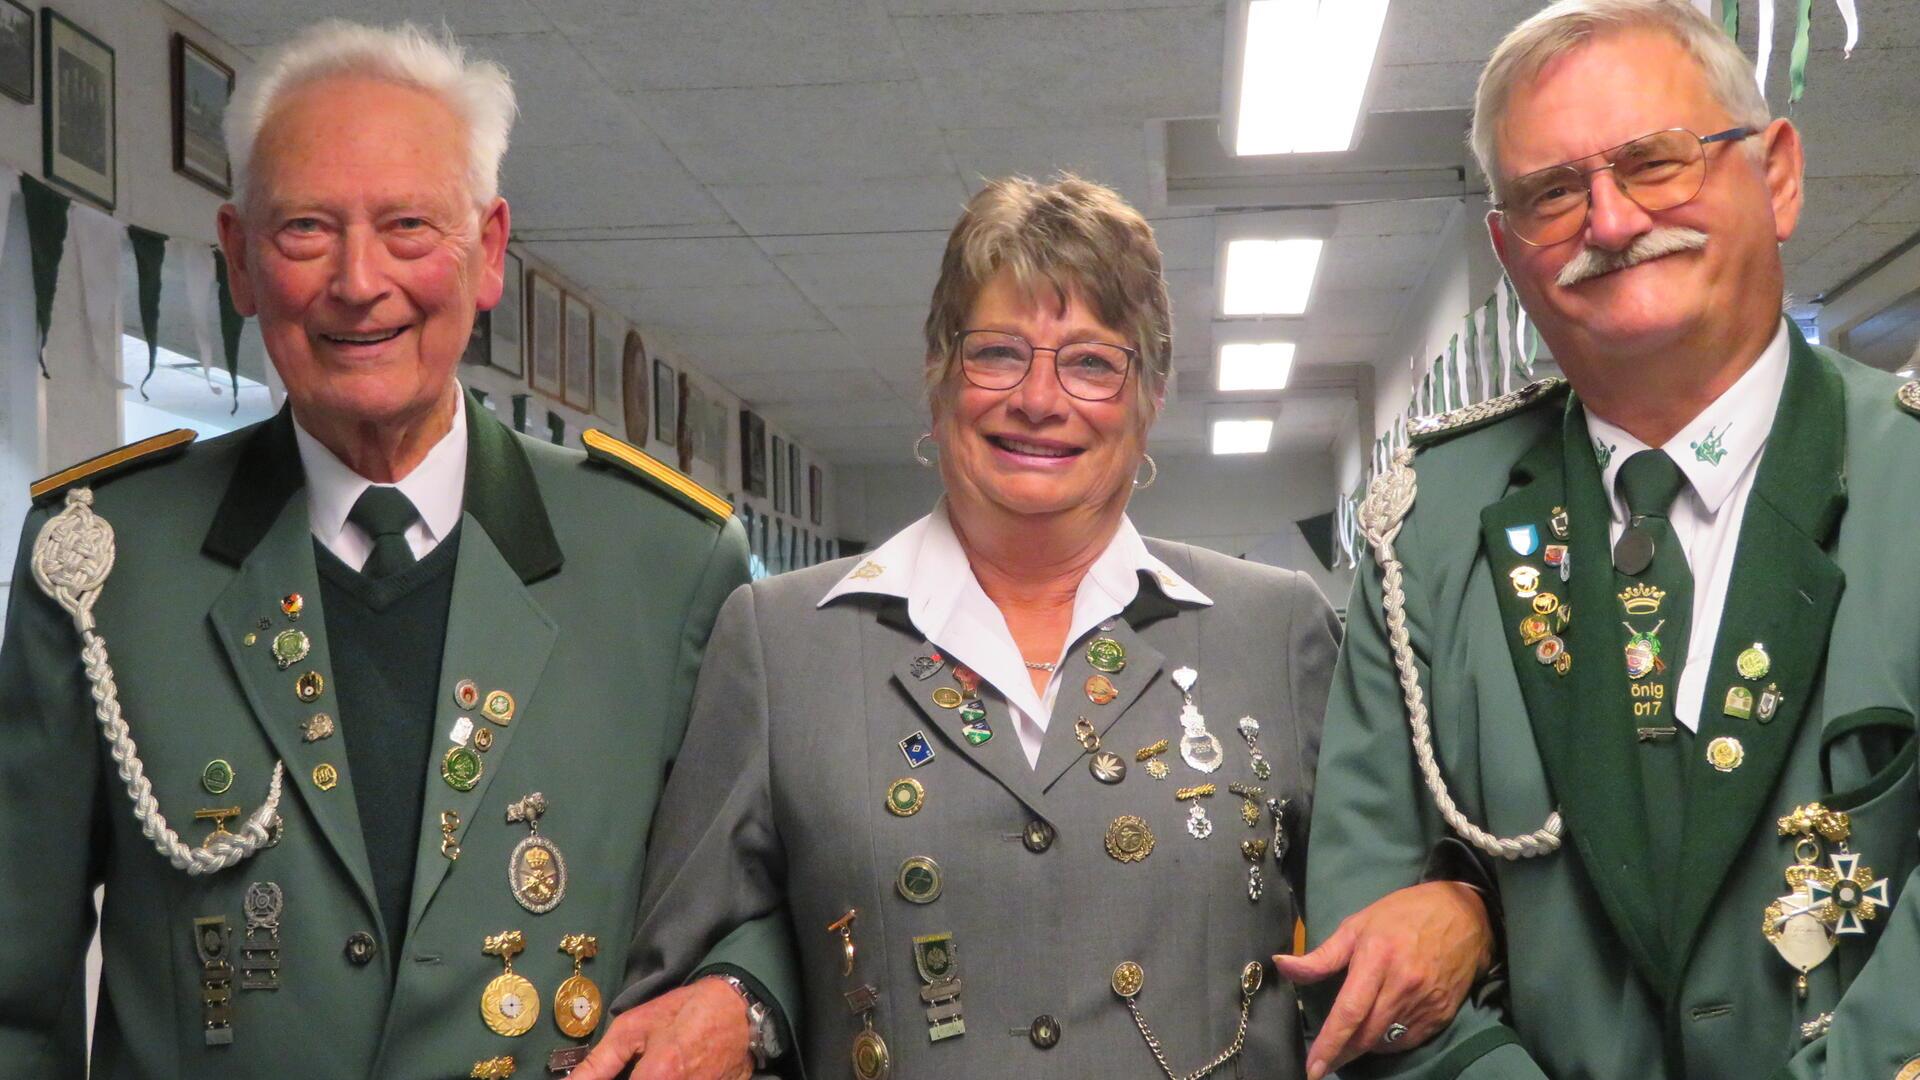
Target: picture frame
[577, 367]
[636, 403]
[683, 435]
[816, 480]
[779, 475]
[753, 453]
[202, 87]
[609, 363]
[18, 50]
[507, 322]
[78, 128]
[479, 340]
[543, 333]
[794, 496]
[666, 404]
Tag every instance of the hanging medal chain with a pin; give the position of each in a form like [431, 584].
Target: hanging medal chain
[1159, 1055]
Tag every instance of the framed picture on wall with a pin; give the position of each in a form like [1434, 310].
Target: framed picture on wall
[543, 332]
[577, 386]
[608, 362]
[779, 475]
[507, 322]
[16, 51]
[815, 480]
[77, 135]
[202, 87]
[635, 401]
[795, 493]
[683, 437]
[666, 404]
[479, 340]
[753, 453]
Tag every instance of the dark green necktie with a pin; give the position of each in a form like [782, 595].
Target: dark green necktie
[385, 514]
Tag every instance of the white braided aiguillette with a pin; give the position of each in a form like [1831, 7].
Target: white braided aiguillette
[72, 557]
[1389, 500]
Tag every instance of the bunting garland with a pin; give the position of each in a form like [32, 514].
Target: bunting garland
[149, 252]
[46, 241]
[231, 323]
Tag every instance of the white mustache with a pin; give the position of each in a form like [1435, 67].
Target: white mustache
[1593, 262]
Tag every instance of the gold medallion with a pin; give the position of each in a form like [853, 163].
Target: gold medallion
[947, 697]
[1100, 690]
[308, 686]
[1129, 839]
[536, 871]
[483, 739]
[509, 1004]
[1725, 753]
[494, 1068]
[1545, 603]
[872, 1060]
[1909, 1071]
[499, 707]
[1128, 978]
[576, 1005]
[1753, 662]
[905, 797]
[325, 776]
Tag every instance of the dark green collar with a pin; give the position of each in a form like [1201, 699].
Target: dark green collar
[500, 494]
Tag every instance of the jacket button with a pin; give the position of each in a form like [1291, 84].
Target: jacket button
[1038, 836]
[1045, 1032]
[360, 948]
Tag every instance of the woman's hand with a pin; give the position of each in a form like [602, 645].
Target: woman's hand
[698, 1032]
[1410, 957]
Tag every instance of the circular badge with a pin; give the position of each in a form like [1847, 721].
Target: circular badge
[1754, 663]
[1533, 628]
[1561, 665]
[249, 639]
[905, 797]
[1545, 603]
[1725, 753]
[1157, 769]
[483, 739]
[1106, 654]
[947, 697]
[871, 1058]
[919, 880]
[1107, 767]
[509, 1004]
[290, 647]
[466, 694]
[217, 777]
[1640, 657]
[1525, 581]
[292, 604]
[1128, 978]
[499, 707]
[1100, 690]
[1252, 976]
[1549, 650]
[1129, 839]
[325, 776]
[308, 686]
[537, 874]
[576, 1007]
[460, 768]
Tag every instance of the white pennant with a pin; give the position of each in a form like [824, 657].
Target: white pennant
[95, 240]
[195, 260]
[1765, 43]
[1850, 15]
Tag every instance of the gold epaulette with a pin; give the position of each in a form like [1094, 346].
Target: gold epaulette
[113, 463]
[1908, 396]
[1426, 430]
[607, 450]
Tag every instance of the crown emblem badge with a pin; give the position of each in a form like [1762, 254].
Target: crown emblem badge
[1643, 599]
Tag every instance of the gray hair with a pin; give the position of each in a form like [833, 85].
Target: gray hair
[478, 91]
[1568, 24]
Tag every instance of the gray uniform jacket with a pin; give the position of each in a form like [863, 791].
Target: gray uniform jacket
[779, 799]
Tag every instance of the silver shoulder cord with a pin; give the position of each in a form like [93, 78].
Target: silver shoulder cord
[1389, 500]
[72, 557]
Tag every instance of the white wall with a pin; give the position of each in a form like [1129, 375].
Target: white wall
[1461, 276]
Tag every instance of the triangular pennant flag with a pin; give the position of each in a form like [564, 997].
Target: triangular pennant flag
[1764, 44]
[149, 254]
[47, 238]
[1730, 17]
[1850, 15]
[96, 245]
[194, 261]
[520, 413]
[556, 429]
[231, 323]
[479, 395]
[1496, 367]
[1802, 44]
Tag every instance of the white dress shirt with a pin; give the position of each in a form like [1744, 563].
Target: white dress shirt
[1719, 452]
[436, 486]
[925, 565]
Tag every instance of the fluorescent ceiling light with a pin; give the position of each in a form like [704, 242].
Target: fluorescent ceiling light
[1269, 277]
[1255, 365]
[1242, 436]
[1304, 73]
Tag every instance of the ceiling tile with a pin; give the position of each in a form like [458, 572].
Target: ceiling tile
[737, 43]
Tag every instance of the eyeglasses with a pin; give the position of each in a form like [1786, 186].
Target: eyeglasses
[1088, 370]
[1658, 172]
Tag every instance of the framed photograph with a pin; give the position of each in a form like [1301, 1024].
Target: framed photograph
[77, 135]
[479, 340]
[508, 321]
[635, 402]
[608, 363]
[794, 490]
[753, 453]
[683, 435]
[779, 475]
[16, 51]
[577, 386]
[543, 332]
[666, 404]
[815, 480]
[202, 86]
[779, 564]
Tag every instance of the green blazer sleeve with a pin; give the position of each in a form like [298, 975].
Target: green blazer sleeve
[50, 761]
[1374, 827]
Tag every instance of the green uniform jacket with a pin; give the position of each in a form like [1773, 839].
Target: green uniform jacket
[1596, 988]
[582, 590]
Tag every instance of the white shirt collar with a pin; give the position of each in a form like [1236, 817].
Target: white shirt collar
[436, 486]
[1716, 448]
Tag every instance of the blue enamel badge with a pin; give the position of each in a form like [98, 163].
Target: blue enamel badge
[1523, 539]
[917, 750]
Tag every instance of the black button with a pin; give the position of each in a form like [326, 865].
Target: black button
[1045, 1032]
[361, 947]
[1038, 836]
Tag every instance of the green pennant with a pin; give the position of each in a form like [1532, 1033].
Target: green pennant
[47, 239]
[520, 413]
[149, 252]
[1730, 17]
[1797, 64]
[479, 395]
[1493, 339]
[231, 322]
[1476, 386]
[556, 429]
[1454, 389]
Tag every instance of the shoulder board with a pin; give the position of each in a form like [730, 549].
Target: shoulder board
[1427, 430]
[607, 450]
[1908, 396]
[113, 463]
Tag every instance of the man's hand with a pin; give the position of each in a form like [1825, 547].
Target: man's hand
[698, 1032]
[1411, 957]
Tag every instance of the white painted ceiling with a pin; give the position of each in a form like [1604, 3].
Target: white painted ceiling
[764, 186]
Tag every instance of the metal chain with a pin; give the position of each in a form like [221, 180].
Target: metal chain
[1389, 501]
[1153, 1041]
[72, 556]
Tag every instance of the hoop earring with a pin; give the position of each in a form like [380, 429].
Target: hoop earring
[925, 463]
[1153, 473]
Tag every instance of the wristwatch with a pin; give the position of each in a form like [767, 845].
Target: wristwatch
[763, 1040]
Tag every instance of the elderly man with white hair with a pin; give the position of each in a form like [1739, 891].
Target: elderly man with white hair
[359, 714]
[1648, 630]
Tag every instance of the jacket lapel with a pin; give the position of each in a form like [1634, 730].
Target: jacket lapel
[999, 757]
[1582, 720]
[1783, 593]
[1062, 750]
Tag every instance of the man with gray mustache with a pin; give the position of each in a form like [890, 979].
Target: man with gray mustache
[1646, 629]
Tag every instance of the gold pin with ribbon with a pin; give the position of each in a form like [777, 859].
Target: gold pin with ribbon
[509, 1004]
[576, 1005]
